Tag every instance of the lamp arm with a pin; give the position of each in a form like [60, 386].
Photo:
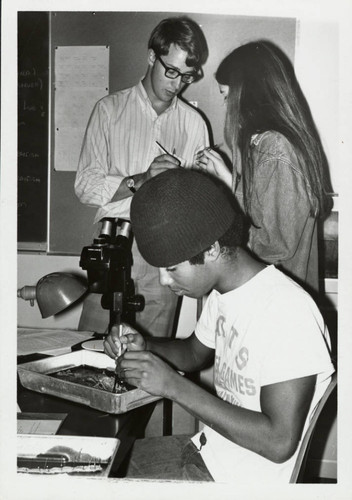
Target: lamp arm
[27, 293]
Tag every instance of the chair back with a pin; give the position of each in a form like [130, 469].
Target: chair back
[300, 465]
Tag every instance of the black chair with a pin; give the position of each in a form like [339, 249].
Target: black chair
[297, 475]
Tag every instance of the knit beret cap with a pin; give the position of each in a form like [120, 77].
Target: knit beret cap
[178, 214]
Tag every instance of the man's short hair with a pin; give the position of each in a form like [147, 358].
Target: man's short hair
[185, 33]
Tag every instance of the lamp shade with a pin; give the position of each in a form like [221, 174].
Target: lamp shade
[56, 291]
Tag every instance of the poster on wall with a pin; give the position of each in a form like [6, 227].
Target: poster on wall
[81, 79]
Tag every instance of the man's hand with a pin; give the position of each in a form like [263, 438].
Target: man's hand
[147, 371]
[130, 340]
[160, 164]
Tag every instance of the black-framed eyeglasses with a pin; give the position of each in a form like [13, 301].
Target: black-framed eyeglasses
[175, 73]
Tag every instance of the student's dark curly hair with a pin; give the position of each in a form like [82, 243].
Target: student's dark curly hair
[229, 242]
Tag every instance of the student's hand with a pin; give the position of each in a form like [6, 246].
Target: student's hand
[211, 162]
[130, 339]
[148, 372]
[160, 164]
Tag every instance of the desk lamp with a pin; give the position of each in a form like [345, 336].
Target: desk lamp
[54, 292]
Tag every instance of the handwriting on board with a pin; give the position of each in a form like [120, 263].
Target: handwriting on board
[32, 153]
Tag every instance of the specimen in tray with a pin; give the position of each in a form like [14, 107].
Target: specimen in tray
[90, 376]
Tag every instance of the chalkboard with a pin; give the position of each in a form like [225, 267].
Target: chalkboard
[33, 104]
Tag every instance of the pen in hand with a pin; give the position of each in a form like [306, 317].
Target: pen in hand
[117, 379]
[168, 153]
[163, 149]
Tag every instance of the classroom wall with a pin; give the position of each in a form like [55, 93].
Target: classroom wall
[70, 222]
[315, 41]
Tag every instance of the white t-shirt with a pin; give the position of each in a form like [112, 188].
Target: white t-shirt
[269, 330]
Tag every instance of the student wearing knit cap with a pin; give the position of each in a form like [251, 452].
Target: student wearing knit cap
[262, 332]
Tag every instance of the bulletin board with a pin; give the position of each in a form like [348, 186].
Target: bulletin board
[126, 34]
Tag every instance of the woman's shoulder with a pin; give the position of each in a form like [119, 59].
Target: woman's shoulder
[271, 140]
[272, 145]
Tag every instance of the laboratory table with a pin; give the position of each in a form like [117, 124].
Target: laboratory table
[85, 421]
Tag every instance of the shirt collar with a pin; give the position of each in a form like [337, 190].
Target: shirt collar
[144, 96]
[246, 288]
[255, 139]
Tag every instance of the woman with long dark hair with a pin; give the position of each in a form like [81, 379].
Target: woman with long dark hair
[280, 173]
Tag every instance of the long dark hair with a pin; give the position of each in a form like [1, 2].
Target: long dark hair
[264, 94]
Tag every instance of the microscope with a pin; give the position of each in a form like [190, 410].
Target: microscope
[108, 263]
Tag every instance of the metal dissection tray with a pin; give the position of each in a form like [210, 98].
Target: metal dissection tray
[35, 375]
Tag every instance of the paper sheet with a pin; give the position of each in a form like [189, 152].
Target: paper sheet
[48, 341]
[39, 423]
[81, 79]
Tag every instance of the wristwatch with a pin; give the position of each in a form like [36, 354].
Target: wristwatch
[130, 184]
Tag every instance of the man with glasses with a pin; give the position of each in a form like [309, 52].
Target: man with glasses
[124, 146]
[173, 73]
